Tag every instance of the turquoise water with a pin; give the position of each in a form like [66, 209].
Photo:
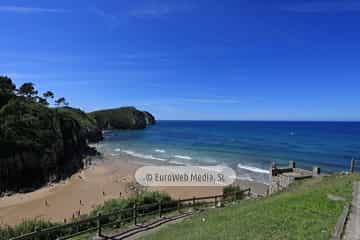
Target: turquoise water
[248, 147]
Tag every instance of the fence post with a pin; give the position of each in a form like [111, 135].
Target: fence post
[193, 202]
[37, 230]
[352, 165]
[120, 218]
[160, 209]
[135, 214]
[99, 224]
[215, 201]
[178, 205]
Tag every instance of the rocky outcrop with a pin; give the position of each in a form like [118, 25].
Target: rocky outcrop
[122, 118]
[38, 145]
[149, 118]
[88, 124]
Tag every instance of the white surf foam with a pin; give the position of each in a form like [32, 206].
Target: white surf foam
[176, 162]
[246, 178]
[139, 155]
[160, 150]
[182, 157]
[253, 169]
[117, 149]
[217, 168]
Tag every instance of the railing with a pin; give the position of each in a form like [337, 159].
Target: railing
[127, 217]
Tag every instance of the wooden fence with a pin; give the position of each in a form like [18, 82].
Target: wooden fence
[128, 216]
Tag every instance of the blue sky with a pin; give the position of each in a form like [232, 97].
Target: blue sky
[228, 60]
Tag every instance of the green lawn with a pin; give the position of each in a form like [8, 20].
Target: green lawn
[302, 212]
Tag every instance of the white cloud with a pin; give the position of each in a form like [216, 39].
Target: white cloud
[27, 10]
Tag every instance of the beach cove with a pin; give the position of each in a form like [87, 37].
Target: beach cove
[111, 177]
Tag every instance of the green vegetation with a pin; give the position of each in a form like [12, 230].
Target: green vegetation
[138, 199]
[28, 226]
[38, 144]
[84, 119]
[41, 144]
[233, 191]
[122, 118]
[87, 123]
[7, 89]
[304, 211]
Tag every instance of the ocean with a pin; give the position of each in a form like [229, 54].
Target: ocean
[249, 147]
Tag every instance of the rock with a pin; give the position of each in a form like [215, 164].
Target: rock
[149, 118]
[336, 198]
[41, 144]
[38, 145]
[122, 118]
[7, 194]
[219, 204]
[88, 124]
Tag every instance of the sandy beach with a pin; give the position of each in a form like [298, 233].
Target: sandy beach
[106, 179]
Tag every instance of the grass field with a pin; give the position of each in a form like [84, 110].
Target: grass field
[302, 212]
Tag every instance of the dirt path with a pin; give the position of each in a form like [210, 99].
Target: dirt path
[352, 230]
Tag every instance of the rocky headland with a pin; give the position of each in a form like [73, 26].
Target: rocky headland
[41, 144]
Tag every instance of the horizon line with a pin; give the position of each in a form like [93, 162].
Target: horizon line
[217, 120]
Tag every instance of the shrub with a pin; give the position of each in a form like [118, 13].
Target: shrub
[27, 226]
[233, 192]
[111, 206]
[138, 199]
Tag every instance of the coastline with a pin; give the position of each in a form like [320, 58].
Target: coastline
[106, 179]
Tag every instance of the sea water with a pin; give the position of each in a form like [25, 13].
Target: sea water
[249, 147]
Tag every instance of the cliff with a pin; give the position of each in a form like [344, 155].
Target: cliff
[149, 118]
[38, 144]
[88, 124]
[122, 118]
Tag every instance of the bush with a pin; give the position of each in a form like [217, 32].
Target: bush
[111, 206]
[138, 199]
[233, 192]
[26, 226]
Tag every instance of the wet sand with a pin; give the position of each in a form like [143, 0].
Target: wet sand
[104, 180]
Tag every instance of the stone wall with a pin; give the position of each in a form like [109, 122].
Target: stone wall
[280, 182]
[282, 177]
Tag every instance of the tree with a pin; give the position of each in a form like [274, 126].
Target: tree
[7, 89]
[48, 94]
[6, 85]
[61, 101]
[28, 90]
[42, 101]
